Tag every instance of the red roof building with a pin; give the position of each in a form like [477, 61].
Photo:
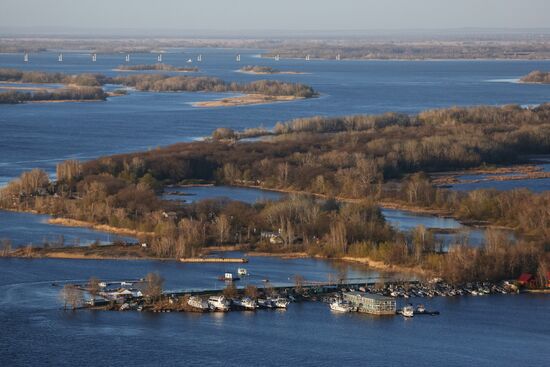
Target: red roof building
[527, 280]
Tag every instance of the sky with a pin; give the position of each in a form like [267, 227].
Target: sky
[256, 15]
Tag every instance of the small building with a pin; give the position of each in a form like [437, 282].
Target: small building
[527, 280]
[371, 303]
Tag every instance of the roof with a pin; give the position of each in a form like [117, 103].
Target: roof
[525, 277]
[369, 295]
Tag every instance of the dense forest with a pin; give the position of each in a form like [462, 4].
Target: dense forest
[357, 160]
[160, 83]
[537, 76]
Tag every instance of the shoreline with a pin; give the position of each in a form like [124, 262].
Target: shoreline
[136, 252]
[247, 99]
[67, 222]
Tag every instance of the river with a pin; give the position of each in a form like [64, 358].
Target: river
[482, 331]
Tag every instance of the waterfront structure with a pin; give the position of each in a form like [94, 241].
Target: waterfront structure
[371, 303]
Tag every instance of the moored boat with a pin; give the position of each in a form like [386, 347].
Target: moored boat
[198, 304]
[281, 302]
[228, 277]
[247, 303]
[408, 311]
[340, 306]
[218, 303]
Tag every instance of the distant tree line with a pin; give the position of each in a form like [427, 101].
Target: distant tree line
[61, 94]
[160, 83]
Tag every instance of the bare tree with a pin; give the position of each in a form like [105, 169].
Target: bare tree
[299, 283]
[230, 291]
[93, 286]
[153, 286]
[71, 296]
[222, 227]
[251, 291]
[5, 247]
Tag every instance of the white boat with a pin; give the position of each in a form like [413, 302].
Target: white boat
[247, 303]
[159, 58]
[281, 302]
[408, 311]
[198, 303]
[218, 303]
[26, 57]
[339, 306]
[277, 58]
[307, 58]
[189, 61]
[266, 303]
[60, 58]
[127, 59]
[338, 57]
[94, 57]
[228, 277]
[420, 308]
[238, 58]
[199, 58]
[242, 271]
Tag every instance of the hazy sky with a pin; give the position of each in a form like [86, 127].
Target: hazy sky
[273, 14]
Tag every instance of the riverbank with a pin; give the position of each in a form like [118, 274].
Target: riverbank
[99, 227]
[248, 99]
[505, 173]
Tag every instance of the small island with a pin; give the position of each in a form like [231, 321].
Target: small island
[537, 76]
[247, 99]
[249, 69]
[157, 67]
[89, 87]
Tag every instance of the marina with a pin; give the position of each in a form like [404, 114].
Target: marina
[84, 131]
[347, 295]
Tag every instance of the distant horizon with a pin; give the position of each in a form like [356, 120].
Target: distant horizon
[257, 16]
[85, 32]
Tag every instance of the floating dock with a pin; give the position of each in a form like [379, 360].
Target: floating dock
[213, 260]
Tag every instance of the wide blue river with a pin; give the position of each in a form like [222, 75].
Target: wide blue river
[471, 331]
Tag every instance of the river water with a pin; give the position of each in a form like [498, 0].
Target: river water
[481, 331]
